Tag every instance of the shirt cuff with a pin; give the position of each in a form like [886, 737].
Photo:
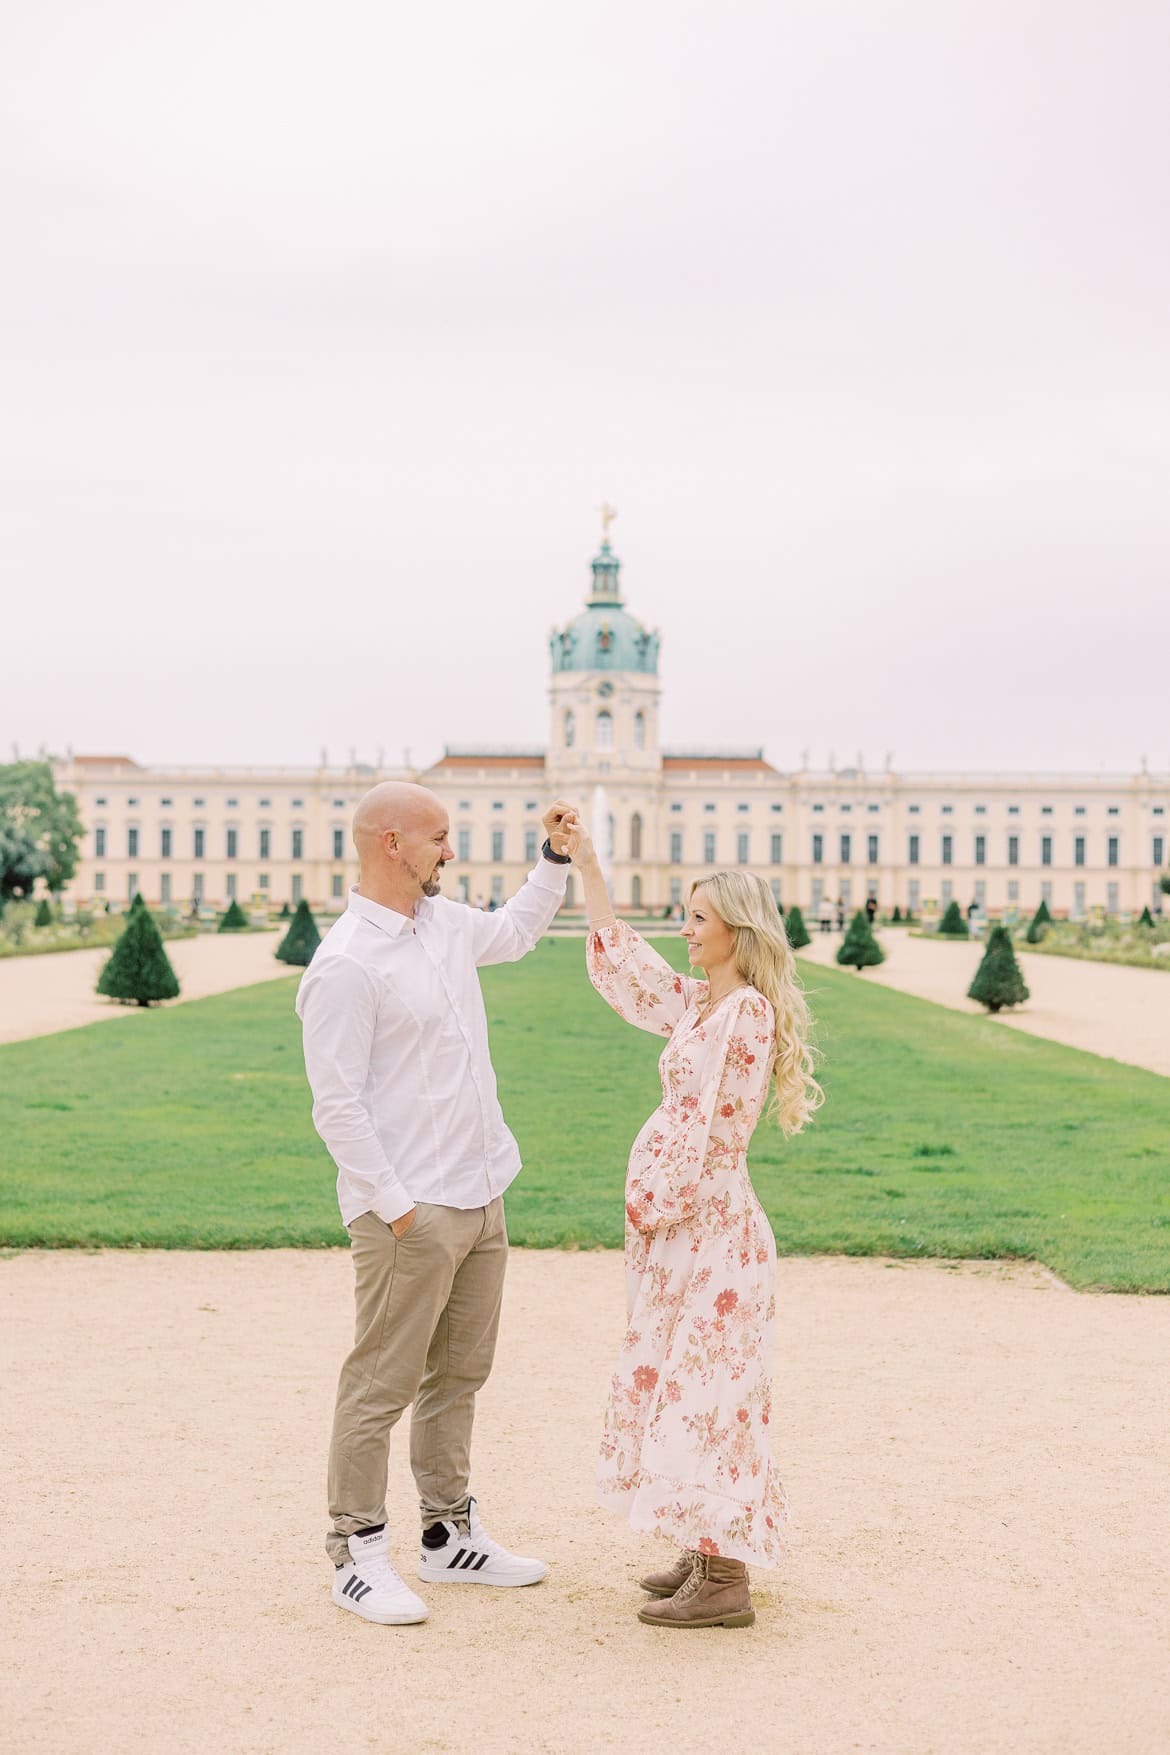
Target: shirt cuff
[393, 1207]
[547, 876]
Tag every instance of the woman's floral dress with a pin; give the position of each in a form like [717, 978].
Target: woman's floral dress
[685, 1449]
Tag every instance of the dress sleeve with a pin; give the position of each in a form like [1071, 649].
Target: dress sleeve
[687, 1161]
[640, 985]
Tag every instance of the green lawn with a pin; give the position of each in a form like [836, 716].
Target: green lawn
[943, 1135]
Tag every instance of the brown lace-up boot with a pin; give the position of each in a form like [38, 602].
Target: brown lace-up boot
[715, 1595]
[664, 1584]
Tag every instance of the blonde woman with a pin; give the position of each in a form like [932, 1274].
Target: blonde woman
[686, 1447]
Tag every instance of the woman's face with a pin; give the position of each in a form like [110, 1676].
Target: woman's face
[710, 942]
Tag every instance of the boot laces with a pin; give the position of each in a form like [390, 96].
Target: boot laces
[694, 1581]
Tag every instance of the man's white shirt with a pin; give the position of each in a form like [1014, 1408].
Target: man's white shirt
[396, 1048]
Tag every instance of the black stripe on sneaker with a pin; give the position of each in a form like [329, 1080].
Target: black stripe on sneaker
[363, 1592]
[471, 1555]
[482, 1561]
[349, 1586]
[457, 1559]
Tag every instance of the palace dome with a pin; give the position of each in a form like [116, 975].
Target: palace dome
[605, 636]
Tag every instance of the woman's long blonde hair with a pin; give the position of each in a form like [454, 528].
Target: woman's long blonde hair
[764, 958]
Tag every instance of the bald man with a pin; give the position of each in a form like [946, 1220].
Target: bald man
[404, 1096]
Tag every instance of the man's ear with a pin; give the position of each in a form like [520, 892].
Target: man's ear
[390, 841]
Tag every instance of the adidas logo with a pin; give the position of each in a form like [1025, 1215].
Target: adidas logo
[467, 1560]
[356, 1588]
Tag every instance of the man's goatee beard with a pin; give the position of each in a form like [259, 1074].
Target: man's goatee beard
[431, 887]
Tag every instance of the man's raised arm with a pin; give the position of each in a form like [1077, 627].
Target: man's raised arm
[511, 931]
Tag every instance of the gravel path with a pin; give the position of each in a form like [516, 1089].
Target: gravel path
[978, 1459]
[40, 995]
[1121, 1013]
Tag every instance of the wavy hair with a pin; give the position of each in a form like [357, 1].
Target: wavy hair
[764, 958]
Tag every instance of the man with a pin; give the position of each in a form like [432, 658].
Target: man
[404, 1096]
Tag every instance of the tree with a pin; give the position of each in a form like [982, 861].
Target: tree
[45, 913]
[40, 830]
[998, 981]
[952, 924]
[1145, 918]
[285, 913]
[860, 947]
[235, 920]
[1039, 921]
[137, 905]
[1164, 881]
[896, 916]
[301, 939]
[139, 968]
[796, 929]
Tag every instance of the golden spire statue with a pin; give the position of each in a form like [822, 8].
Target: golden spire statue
[608, 514]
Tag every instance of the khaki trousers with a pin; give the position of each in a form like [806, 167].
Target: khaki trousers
[427, 1314]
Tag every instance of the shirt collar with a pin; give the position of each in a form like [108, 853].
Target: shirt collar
[387, 920]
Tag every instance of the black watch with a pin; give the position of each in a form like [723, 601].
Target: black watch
[557, 858]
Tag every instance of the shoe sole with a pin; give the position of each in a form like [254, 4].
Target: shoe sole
[743, 1620]
[381, 1620]
[480, 1578]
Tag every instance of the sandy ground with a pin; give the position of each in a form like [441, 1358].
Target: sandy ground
[39, 995]
[979, 1460]
[1118, 1012]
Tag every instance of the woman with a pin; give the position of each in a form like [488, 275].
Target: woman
[685, 1449]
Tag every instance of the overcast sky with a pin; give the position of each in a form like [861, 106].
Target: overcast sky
[325, 330]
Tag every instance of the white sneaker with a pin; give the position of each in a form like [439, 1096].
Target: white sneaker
[370, 1586]
[475, 1559]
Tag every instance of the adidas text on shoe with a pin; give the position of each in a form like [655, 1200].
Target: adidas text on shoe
[370, 1586]
[471, 1557]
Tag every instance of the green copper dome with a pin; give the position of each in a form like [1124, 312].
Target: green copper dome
[604, 636]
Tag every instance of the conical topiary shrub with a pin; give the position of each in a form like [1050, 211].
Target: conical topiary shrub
[1145, 918]
[139, 968]
[896, 916]
[44, 916]
[137, 905]
[235, 920]
[860, 948]
[796, 929]
[952, 924]
[1039, 921]
[285, 913]
[998, 981]
[301, 939]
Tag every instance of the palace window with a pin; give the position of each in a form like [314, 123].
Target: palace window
[846, 849]
[497, 804]
[709, 847]
[818, 851]
[497, 843]
[1079, 850]
[676, 807]
[871, 849]
[99, 843]
[197, 850]
[99, 881]
[981, 850]
[298, 844]
[570, 728]
[603, 730]
[912, 850]
[818, 807]
[948, 810]
[1159, 846]
[232, 838]
[530, 845]
[265, 843]
[635, 836]
[339, 843]
[742, 846]
[1013, 850]
[777, 849]
[709, 808]
[338, 885]
[639, 732]
[132, 843]
[132, 885]
[230, 882]
[465, 844]
[1045, 810]
[676, 847]
[297, 886]
[947, 849]
[1113, 811]
[1046, 849]
[743, 808]
[164, 887]
[1113, 849]
[164, 840]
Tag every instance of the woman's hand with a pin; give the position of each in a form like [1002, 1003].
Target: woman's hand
[578, 842]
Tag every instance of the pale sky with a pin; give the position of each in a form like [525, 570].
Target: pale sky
[325, 330]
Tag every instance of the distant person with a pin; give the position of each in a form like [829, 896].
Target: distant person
[686, 1447]
[840, 915]
[404, 1096]
[972, 911]
[870, 908]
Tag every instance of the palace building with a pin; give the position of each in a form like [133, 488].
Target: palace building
[183, 836]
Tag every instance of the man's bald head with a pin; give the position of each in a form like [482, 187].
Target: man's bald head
[400, 832]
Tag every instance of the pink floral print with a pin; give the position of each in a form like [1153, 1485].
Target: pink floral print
[685, 1449]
